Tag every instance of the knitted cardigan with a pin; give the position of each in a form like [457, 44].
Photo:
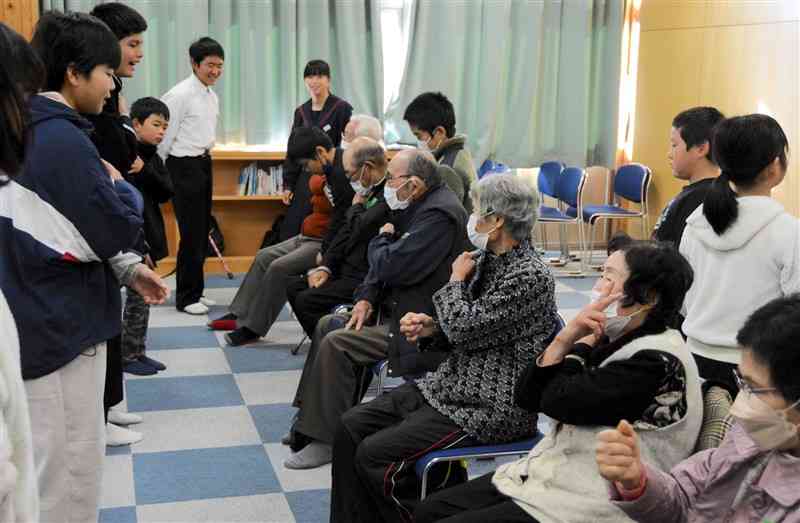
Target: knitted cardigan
[495, 325]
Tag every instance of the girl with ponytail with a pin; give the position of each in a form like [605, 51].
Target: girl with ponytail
[743, 246]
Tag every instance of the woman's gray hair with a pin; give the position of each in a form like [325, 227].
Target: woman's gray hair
[511, 197]
[368, 126]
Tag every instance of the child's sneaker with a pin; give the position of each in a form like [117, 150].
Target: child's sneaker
[138, 368]
[153, 363]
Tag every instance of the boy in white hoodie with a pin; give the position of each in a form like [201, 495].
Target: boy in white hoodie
[743, 246]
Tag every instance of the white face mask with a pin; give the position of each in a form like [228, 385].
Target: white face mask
[615, 324]
[768, 428]
[478, 239]
[344, 144]
[394, 203]
[610, 310]
[359, 189]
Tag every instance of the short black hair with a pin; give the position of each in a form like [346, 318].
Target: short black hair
[21, 75]
[303, 143]
[771, 333]
[619, 241]
[123, 20]
[429, 111]
[696, 127]
[656, 268]
[78, 40]
[317, 68]
[205, 47]
[143, 108]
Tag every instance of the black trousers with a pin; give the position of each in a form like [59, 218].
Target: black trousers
[191, 177]
[115, 388]
[374, 451]
[310, 305]
[476, 501]
[718, 373]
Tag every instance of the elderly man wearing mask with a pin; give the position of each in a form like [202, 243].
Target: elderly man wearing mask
[408, 261]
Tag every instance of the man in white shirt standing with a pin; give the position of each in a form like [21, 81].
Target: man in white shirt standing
[186, 148]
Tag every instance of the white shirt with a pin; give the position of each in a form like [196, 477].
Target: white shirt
[193, 111]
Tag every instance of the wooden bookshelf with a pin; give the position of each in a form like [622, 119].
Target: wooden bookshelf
[243, 219]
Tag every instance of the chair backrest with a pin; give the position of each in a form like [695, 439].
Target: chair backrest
[558, 324]
[631, 181]
[549, 173]
[570, 184]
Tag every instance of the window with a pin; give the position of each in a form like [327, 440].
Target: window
[395, 22]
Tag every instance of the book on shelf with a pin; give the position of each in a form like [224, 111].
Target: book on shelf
[261, 178]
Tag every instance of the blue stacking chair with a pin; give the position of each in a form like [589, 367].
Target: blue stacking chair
[631, 183]
[547, 182]
[569, 191]
[424, 465]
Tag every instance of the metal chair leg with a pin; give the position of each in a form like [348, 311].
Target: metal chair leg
[297, 347]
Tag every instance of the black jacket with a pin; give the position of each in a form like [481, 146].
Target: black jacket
[113, 133]
[346, 255]
[342, 195]
[407, 268]
[672, 221]
[155, 184]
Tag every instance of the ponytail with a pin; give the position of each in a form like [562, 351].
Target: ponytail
[720, 206]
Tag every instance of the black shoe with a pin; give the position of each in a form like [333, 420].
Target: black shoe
[153, 363]
[138, 368]
[241, 336]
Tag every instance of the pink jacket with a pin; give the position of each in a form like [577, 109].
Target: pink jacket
[735, 483]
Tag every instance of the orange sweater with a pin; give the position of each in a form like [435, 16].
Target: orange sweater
[316, 224]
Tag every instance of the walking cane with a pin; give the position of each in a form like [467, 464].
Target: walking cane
[228, 272]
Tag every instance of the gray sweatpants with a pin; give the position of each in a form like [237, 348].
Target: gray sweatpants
[331, 382]
[262, 295]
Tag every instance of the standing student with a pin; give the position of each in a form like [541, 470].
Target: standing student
[691, 158]
[116, 142]
[325, 111]
[186, 147]
[21, 74]
[63, 219]
[433, 121]
[150, 118]
[743, 246]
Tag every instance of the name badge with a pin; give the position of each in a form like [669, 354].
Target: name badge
[327, 128]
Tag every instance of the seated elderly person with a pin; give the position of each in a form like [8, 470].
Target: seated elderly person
[753, 475]
[493, 319]
[344, 263]
[362, 125]
[408, 261]
[598, 370]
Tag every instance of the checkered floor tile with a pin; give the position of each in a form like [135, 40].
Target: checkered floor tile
[213, 423]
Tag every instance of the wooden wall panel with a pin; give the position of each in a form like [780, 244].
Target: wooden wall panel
[740, 56]
[21, 15]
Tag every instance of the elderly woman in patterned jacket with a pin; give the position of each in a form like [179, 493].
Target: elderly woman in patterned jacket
[494, 317]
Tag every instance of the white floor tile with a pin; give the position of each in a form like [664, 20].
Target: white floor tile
[223, 296]
[261, 388]
[263, 508]
[294, 480]
[117, 484]
[196, 429]
[172, 317]
[188, 362]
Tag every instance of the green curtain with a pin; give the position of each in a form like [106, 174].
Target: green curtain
[530, 79]
[267, 44]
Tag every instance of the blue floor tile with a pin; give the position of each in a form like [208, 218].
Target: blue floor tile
[118, 515]
[272, 421]
[579, 284]
[250, 358]
[122, 450]
[166, 477]
[571, 300]
[220, 281]
[310, 506]
[167, 338]
[191, 392]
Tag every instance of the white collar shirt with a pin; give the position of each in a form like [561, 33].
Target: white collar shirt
[194, 109]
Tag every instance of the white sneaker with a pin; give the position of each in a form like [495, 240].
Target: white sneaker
[207, 302]
[117, 417]
[196, 308]
[118, 436]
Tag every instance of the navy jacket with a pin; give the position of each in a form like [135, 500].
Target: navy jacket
[61, 219]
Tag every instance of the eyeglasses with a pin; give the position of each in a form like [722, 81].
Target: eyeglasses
[390, 178]
[745, 387]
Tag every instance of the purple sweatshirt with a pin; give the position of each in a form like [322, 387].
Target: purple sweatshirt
[735, 483]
